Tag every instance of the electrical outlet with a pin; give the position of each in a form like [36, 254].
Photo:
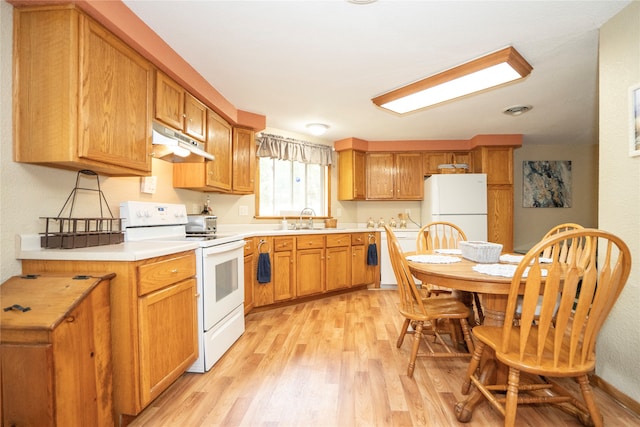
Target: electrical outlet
[243, 210]
[148, 184]
[338, 212]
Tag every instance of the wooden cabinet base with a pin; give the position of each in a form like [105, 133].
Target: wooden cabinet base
[55, 356]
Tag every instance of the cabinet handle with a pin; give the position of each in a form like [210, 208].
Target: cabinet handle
[174, 271]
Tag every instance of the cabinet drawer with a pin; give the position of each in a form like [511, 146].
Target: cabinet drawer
[310, 242]
[165, 271]
[334, 240]
[358, 238]
[282, 244]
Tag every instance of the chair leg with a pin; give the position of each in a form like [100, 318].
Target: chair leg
[511, 403]
[403, 332]
[587, 395]
[417, 337]
[473, 366]
[467, 335]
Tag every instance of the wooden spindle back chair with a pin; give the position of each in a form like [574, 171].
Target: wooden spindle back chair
[419, 310]
[560, 342]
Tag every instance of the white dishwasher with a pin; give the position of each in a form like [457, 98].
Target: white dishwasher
[407, 240]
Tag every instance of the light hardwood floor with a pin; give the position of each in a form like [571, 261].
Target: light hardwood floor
[334, 362]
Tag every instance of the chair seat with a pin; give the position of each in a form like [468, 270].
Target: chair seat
[440, 308]
[492, 336]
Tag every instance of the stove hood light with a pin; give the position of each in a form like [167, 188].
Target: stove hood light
[172, 146]
[180, 151]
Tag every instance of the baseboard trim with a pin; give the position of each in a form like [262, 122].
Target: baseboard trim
[616, 394]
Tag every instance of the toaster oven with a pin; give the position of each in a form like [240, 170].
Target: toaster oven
[202, 224]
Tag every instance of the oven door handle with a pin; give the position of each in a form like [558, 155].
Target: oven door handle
[225, 247]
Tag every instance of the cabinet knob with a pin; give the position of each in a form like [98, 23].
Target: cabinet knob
[174, 271]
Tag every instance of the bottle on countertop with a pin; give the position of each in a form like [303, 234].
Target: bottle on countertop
[393, 223]
[370, 223]
[207, 207]
[381, 222]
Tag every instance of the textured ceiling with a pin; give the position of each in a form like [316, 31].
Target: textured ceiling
[298, 62]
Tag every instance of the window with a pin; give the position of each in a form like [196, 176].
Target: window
[293, 175]
[287, 187]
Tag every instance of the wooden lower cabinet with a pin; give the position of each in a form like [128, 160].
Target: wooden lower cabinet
[284, 268]
[153, 321]
[312, 264]
[249, 269]
[55, 358]
[338, 262]
[361, 272]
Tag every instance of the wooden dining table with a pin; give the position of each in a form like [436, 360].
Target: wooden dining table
[493, 290]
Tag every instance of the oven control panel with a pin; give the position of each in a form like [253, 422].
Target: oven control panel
[146, 214]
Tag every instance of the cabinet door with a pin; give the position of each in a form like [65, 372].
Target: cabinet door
[283, 275]
[409, 178]
[169, 101]
[244, 161]
[218, 172]
[115, 92]
[380, 176]
[249, 268]
[168, 337]
[500, 215]
[352, 178]
[432, 159]
[195, 118]
[338, 268]
[310, 271]
[359, 265]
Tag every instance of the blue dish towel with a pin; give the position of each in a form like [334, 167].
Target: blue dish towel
[372, 254]
[264, 268]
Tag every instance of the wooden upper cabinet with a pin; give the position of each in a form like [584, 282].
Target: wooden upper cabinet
[409, 177]
[496, 162]
[169, 101]
[219, 143]
[380, 176]
[352, 176]
[394, 176]
[432, 159]
[244, 160]
[83, 98]
[179, 109]
[195, 118]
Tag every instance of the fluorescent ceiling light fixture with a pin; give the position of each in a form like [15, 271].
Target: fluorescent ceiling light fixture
[494, 69]
[317, 129]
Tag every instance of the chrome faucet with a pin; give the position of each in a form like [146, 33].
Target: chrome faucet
[311, 214]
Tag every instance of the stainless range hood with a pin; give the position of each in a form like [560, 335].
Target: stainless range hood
[175, 147]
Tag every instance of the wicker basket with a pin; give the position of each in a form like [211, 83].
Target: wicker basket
[482, 252]
[330, 223]
[453, 168]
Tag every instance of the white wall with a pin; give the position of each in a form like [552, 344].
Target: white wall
[619, 342]
[530, 224]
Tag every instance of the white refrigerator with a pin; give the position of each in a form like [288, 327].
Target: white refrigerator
[457, 198]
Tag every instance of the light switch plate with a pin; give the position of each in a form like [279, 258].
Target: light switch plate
[243, 210]
[148, 184]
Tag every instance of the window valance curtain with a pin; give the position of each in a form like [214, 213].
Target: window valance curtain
[279, 147]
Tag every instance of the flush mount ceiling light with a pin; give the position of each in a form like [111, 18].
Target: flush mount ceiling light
[494, 69]
[317, 129]
[516, 110]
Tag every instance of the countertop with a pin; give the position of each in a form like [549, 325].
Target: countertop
[28, 245]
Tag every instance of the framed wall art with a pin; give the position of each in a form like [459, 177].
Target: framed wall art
[546, 184]
[634, 120]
